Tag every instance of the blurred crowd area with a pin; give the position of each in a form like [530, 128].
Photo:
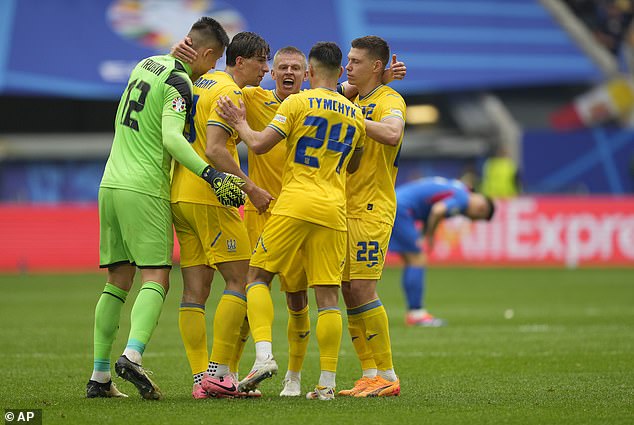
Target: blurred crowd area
[609, 20]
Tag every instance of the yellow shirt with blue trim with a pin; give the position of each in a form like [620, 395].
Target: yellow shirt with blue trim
[265, 170]
[370, 191]
[322, 130]
[186, 186]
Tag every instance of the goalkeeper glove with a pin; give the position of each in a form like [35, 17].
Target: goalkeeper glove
[227, 187]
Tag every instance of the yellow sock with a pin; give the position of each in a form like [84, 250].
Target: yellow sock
[356, 327]
[191, 322]
[377, 334]
[298, 331]
[227, 322]
[260, 311]
[234, 366]
[329, 330]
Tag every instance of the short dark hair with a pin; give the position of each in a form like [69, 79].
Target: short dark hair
[376, 47]
[491, 205]
[247, 44]
[210, 31]
[328, 54]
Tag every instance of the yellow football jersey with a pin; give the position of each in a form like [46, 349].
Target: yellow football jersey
[370, 191]
[266, 169]
[322, 129]
[186, 186]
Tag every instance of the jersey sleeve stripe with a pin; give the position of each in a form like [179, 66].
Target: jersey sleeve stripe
[221, 125]
[278, 130]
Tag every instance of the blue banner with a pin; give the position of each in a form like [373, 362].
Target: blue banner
[597, 160]
[85, 49]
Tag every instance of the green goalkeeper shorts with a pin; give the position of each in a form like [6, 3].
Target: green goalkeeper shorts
[134, 228]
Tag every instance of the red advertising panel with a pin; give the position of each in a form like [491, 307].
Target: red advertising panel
[549, 231]
[568, 231]
[50, 238]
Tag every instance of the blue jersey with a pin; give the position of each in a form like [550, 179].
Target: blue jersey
[417, 197]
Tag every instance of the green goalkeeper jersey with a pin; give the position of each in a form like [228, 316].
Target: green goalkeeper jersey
[149, 128]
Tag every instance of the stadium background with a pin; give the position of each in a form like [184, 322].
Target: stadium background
[530, 76]
[532, 338]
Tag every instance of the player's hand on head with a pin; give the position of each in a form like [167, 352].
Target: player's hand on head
[226, 187]
[183, 50]
[230, 112]
[396, 71]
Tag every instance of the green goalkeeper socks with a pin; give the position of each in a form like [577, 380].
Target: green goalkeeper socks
[144, 318]
[107, 315]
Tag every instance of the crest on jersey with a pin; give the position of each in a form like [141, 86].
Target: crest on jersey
[231, 245]
[179, 104]
[280, 118]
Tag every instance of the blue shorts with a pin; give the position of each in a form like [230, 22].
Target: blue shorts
[405, 236]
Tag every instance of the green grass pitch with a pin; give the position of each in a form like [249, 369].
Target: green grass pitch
[565, 357]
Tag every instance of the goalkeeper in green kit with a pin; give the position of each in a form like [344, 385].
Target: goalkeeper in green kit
[134, 202]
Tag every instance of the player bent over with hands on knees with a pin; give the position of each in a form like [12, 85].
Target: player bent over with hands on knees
[430, 200]
[134, 195]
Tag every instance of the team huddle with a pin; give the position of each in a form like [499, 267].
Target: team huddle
[319, 211]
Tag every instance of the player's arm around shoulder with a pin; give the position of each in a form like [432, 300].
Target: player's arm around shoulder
[388, 124]
[388, 132]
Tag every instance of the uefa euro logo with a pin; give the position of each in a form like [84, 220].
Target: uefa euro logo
[160, 23]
